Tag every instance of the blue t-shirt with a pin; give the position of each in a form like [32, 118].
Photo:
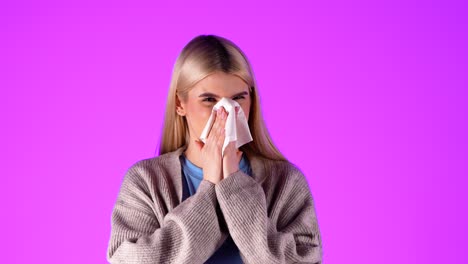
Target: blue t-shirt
[228, 252]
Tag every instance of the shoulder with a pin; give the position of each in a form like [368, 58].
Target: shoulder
[162, 162]
[149, 171]
[280, 173]
[283, 169]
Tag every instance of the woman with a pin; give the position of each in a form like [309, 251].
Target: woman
[191, 204]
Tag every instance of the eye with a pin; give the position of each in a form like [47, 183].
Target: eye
[209, 99]
[239, 97]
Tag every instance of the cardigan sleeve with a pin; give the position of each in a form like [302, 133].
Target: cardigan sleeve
[258, 237]
[189, 233]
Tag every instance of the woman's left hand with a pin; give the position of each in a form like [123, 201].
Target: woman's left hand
[232, 157]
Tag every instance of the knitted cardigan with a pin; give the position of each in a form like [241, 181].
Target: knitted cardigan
[270, 216]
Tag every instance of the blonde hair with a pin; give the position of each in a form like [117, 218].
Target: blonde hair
[202, 56]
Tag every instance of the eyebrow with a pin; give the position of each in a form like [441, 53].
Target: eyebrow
[216, 96]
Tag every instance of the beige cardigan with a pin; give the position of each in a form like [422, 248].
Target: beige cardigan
[270, 216]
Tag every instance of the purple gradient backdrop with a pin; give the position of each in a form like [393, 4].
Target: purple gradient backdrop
[369, 99]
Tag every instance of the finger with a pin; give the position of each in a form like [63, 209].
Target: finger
[199, 144]
[214, 132]
[221, 137]
[221, 128]
[219, 121]
[224, 115]
[239, 157]
[213, 124]
[228, 148]
[231, 149]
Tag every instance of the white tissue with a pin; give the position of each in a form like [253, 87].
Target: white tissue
[235, 131]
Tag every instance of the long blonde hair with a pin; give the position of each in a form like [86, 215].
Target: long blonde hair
[202, 56]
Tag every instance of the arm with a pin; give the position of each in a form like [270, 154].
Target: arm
[243, 204]
[189, 233]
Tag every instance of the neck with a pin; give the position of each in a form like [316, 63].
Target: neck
[193, 154]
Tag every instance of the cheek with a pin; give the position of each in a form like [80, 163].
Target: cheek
[204, 116]
[246, 109]
[198, 116]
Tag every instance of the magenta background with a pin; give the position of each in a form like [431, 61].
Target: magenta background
[368, 98]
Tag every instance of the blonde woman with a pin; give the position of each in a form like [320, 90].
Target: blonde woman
[195, 204]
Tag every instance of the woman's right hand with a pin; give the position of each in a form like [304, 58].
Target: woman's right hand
[211, 151]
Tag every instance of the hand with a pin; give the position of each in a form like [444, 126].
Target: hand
[211, 151]
[232, 157]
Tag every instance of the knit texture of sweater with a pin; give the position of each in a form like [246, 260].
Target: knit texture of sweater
[228, 253]
[270, 215]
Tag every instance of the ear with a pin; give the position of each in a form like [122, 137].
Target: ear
[180, 109]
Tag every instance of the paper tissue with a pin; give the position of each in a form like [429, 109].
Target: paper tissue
[236, 130]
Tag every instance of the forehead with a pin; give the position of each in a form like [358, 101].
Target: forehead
[220, 82]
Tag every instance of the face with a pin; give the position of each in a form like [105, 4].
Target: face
[206, 93]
